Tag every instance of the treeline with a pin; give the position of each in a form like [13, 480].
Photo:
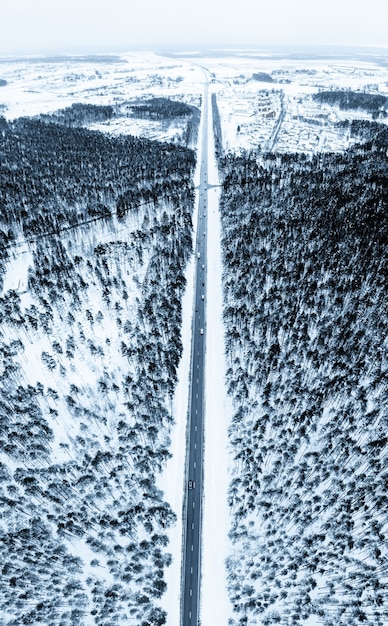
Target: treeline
[190, 136]
[347, 99]
[79, 114]
[82, 113]
[161, 108]
[263, 77]
[217, 131]
[88, 367]
[305, 310]
[372, 134]
[164, 109]
[53, 177]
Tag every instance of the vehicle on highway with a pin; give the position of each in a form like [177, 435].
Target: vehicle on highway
[191, 484]
[201, 331]
[198, 255]
[202, 297]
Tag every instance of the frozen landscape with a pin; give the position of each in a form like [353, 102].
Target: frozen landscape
[99, 185]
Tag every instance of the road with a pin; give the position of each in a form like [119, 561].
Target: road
[191, 568]
[275, 133]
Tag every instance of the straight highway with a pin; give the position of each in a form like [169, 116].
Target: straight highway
[191, 567]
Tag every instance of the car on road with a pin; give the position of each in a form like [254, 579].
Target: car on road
[198, 255]
[201, 331]
[202, 297]
[191, 484]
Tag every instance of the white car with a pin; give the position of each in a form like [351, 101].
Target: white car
[201, 331]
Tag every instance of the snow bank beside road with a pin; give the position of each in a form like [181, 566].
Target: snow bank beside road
[215, 605]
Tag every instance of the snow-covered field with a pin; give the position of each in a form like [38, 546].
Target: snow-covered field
[38, 86]
[249, 107]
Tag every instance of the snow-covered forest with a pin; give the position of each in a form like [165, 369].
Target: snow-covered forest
[90, 343]
[96, 245]
[305, 312]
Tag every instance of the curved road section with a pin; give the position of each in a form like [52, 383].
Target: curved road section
[191, 566]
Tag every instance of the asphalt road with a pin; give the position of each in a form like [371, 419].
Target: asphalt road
[191, 571]
[275, 133]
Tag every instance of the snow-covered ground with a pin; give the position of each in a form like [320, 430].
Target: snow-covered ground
[248, 109]
[215, 606]
[173, 480]
[218, 411]
[16, 276]
[39, 86]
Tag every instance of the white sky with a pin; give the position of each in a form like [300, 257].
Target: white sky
[66, 26]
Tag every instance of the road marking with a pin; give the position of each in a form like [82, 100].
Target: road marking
[191, 570]
[193, 505]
